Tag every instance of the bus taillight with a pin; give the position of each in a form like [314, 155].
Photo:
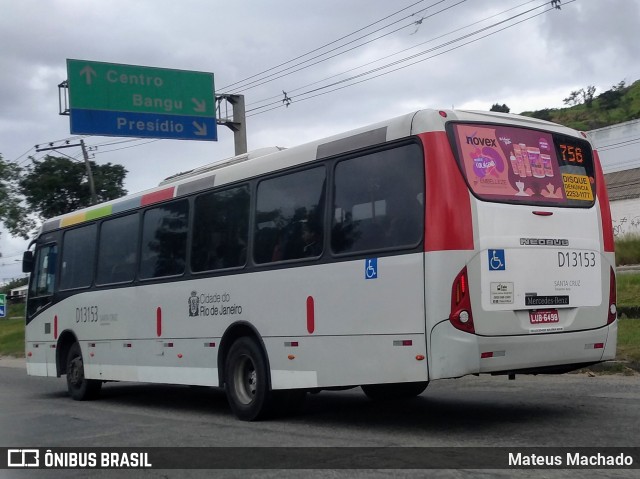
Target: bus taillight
[461, 316]
[613, 311]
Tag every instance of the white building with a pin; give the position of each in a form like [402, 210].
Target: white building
[18, 293]
[619, 150]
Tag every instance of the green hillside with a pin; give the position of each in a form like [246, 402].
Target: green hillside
[591, 109]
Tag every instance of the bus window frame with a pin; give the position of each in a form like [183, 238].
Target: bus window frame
[387, 146]
[187, 254]
[38, 303]
[124, 214]
[192, 219]
[91, 285]
[253, 229]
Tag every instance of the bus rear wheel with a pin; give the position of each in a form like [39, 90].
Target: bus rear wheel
[394, 391]
[246, 380]
[80, 388]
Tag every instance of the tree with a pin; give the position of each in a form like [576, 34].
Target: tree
[55, 185]
[573, 98]
[587, 95]
[581, 96]
[13, 214]
[500, 108]
[611, 99]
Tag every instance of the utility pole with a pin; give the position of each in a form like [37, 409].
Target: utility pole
[237, 122]
[92, 186]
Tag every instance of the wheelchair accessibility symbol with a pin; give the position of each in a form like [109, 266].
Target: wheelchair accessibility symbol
[371, 268]
[496, 260]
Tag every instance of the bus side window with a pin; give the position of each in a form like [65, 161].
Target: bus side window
[164, 240]
[117, 255]
[220, 230]
[78, 253]
[45, 272]
[289, 216]
[378, 201]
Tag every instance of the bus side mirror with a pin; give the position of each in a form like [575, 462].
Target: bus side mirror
[27, 262]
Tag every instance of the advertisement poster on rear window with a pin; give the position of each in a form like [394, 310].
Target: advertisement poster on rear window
[511, 164]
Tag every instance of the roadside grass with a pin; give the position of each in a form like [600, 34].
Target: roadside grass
[12, 331]
[628, 289]
[628, 249]
[629, 341]
[16, 310]
[12, 337]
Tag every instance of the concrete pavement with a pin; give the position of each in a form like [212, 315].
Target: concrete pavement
[9, 362]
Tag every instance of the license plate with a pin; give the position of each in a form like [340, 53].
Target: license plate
[544, 316]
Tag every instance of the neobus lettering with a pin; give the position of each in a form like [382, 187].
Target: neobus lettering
[543, 242]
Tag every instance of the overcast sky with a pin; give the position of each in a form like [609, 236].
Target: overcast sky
[529, 65]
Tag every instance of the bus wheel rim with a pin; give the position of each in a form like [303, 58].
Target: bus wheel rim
[245, 380]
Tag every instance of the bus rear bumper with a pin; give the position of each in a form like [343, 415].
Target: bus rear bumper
[454, 353]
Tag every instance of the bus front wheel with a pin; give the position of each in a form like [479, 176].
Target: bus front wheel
[394, 391]
[80, 388]
[246, 380]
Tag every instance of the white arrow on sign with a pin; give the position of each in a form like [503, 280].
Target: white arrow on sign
[200, 106]
[201, 130]
[89, 72]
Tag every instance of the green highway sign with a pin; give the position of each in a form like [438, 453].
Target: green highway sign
[130, 100]
[109, 86]
[3, 305]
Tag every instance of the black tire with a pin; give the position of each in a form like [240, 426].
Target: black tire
[394, 391]
[247, 381]
[79, 387]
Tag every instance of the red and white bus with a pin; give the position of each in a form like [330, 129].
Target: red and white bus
[434, 245]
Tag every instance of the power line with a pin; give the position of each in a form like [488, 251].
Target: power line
[96, 145]
[131, 146]
[25, 153]
[323, 46]
[289, 91]
[409, 58]
[389, 65]
[273, 77]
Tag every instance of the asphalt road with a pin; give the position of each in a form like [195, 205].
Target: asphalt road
[572, 410]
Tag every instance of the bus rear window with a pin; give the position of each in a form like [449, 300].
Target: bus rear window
[518, 165]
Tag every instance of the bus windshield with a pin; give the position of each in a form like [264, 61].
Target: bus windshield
[508, 164]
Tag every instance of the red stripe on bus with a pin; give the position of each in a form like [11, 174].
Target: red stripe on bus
[603, 200]
[311, 316]
[157, 196]
[55, 327]
[448, 219]
[159, 321]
